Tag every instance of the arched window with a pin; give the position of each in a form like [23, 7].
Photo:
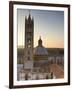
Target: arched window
[28, 58]
[29, 45]
[28, 52]
[29, 40]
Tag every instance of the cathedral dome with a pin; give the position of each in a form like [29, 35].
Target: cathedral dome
[40, 50]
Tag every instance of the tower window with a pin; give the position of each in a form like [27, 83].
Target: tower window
[30, 33]
[28, 58]
[28, 52]
[29, 40]
[29, 45]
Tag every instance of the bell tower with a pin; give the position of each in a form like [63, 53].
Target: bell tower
[29, 36]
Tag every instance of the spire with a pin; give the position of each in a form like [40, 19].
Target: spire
[40, 42]
[29, 17]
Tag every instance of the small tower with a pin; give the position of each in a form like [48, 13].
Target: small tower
[29, 36]
[40, 42]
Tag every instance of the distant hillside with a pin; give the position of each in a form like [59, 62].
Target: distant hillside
[20, 51]
[55, 50]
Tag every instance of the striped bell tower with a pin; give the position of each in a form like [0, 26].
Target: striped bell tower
[29, 36]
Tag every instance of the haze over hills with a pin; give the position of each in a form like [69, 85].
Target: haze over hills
[20, 51]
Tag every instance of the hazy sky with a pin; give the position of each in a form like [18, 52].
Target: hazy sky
[47, 23]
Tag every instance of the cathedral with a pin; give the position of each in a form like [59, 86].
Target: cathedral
[33, 56]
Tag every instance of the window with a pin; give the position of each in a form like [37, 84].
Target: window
[29, 45]
[29, 40]
[28, 52]
[29, 34]
[28, 58]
